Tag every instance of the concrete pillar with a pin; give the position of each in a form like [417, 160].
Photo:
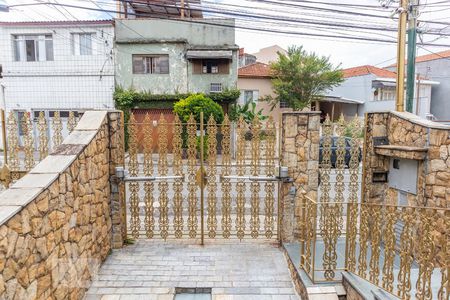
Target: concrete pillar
[300, 153]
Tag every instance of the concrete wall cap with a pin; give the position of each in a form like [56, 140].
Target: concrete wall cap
[80, 137]
[36, 181]
[53, 164]
[18, 197]
[6, 212]
[91, 120]
[418, 120]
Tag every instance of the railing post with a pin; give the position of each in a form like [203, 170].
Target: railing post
[202, 182]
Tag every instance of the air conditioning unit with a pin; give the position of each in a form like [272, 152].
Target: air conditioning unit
[215, 88]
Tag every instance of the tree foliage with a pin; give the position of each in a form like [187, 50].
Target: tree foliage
[247, 111]
[300, 78]
[195, 104]
[131, 98]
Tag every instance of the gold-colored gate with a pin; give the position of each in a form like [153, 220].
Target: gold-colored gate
[215, 181]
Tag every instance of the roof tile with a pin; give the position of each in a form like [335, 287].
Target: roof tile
[365, 70]
[255, 70]
[428, 57]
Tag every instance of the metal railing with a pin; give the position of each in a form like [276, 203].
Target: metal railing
[28, 141]
[202, 191]
[404, 250]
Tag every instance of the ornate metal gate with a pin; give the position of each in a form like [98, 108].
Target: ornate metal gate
[218, 180]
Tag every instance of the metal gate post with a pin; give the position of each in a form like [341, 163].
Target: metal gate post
[202, 181]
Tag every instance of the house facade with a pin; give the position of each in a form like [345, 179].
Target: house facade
[245, 58]
[436, 67]
[255, 83]
[370, 89]
[167, 56]
[56, 66]
[269, 54]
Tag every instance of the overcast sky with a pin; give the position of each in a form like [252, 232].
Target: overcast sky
[349, 53]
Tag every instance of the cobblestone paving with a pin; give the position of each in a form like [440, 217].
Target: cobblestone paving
[152, 269]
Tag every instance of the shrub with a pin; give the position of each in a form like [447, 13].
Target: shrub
[247, 111]
[195, 104]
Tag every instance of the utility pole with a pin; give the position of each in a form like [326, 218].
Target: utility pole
[411, 61]
[403, 10]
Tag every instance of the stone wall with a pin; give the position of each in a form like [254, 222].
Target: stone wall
[300, 153]
[55, 223]
[408, 137]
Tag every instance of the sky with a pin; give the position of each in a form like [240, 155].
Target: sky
[347, 53]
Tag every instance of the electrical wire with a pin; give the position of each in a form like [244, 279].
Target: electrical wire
[241, 27]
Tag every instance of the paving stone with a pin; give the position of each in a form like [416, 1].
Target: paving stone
[234, 270]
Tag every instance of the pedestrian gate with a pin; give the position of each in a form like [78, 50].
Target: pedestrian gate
[214, 181]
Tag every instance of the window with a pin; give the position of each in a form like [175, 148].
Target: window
[33, 47]
[81, 43]
[150, 64]
[216, 87]
[210, 66]
[284, 104]
[384, 94]
[249, 96]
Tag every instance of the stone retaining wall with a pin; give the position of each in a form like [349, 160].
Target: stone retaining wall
[415, 135]
[56, 222]
[300, 153]
[429, 144]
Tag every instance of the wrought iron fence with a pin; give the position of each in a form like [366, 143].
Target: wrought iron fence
[29, 141]
[404, 250]
[240, 195]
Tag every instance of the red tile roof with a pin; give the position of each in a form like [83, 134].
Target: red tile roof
[256, 70]
[429, 57]
[365, 70]
[64, 23]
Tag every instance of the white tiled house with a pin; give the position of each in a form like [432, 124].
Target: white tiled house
[57, 65]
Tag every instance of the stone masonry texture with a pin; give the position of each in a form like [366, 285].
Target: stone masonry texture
[425, 141]
[300, 153]
[59, 230]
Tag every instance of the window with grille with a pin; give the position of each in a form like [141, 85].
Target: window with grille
[249, 96]
[81, 43]
[210, 66]
[33, 47]
[284, 104]
[150, 64]
[215, 88]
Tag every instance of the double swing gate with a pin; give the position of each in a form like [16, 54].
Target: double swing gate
[195, 180]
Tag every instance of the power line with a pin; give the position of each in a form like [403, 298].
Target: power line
[277, 18]
[213, 23]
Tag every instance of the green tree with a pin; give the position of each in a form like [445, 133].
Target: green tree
[247, 111]
[195, 104]
[300, 78]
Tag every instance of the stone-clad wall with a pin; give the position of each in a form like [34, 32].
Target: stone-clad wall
[425, 141]
[418, 138]
[55, 223]
[300, 153]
